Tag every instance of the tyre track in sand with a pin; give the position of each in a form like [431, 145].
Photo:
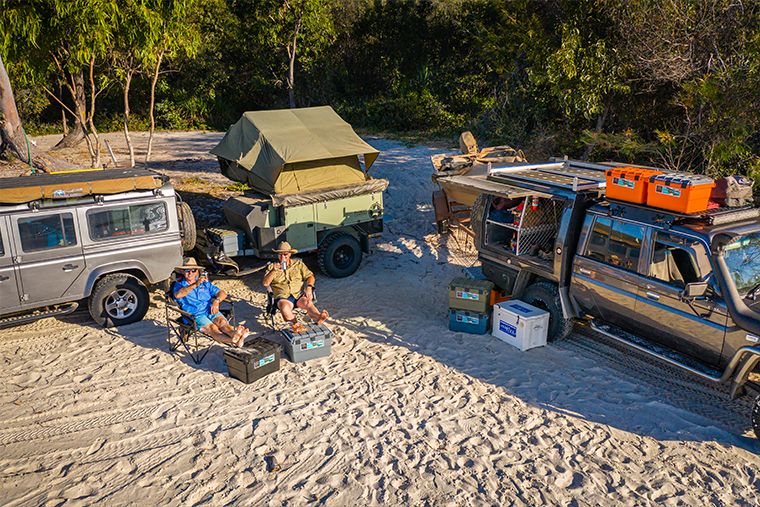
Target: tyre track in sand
[98, 419]
[676, 387]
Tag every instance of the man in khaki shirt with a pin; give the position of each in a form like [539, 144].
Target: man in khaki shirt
[292, 285]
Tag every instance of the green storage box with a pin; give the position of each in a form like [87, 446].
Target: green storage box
[468, 294]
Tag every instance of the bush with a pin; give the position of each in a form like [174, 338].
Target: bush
[415, 110]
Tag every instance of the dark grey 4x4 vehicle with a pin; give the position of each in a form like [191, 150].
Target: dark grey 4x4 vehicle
[104, 236]
[684, 288]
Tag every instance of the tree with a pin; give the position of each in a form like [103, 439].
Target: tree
[171, 31]
[62, 41]
[129, 51]
[302, 29]
[701, 61]
[12, 135]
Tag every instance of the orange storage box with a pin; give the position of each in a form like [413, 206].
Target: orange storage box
[629, 183]
[680, 192]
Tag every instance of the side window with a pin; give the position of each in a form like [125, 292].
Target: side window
[597, 246]
[677, 261]
[46, 232]
[131, 220]
[615, 242]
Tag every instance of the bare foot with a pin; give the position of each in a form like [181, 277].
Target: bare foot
[323, 316]
[239, 337]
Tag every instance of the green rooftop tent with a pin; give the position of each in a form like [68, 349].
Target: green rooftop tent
[292, 151]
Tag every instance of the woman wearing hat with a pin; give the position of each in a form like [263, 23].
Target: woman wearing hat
[292, 286]
[201, 298]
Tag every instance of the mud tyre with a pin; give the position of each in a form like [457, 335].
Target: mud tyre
[187, 226]
[756, 417]
[118, 300]
[545, 295]
[339, 255]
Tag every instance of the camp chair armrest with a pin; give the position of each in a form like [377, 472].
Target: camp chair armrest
[172, 306]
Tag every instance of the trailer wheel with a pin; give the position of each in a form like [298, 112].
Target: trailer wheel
[187, 226]
[544, 295]
[339, 255]
[756, 418]
[118, 299]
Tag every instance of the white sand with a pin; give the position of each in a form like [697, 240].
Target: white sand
[403, 412]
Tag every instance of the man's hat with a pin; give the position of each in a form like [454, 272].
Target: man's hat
[284, 247]
[189, 263]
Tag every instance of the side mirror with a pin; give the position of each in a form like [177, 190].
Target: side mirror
[694, 290]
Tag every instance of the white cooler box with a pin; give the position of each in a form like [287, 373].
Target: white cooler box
[520, 324]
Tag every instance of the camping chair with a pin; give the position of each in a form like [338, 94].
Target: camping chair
[271, 309]
[181, 329]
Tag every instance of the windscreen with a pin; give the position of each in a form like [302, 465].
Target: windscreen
[742, 257]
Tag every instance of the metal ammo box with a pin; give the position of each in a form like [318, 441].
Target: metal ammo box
[256, 359]
[472, 295]
[314, 342]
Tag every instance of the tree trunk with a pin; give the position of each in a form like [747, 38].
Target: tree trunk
[127, 83]
[95, 151]
[76, 134]
[12, 136]
[153, 82]
[10, 122]
[63, 111]
[292, 65]
[599, 125]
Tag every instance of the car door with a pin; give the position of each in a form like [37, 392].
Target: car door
[605, 271]
[48, 254]
[9, 294]
[697, 329]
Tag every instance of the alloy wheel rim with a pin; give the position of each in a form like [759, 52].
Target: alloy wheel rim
[121, 303]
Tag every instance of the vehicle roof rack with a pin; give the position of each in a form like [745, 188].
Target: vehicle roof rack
[24, 189]
[567, 175]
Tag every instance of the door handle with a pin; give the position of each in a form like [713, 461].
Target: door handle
[653, 296]
[4, 278]
[584, 271]
[70, 267]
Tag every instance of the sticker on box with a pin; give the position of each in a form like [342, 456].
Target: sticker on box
[624, 182]
[312, 345]
[460, 294]
[264, 361]
[520, 308]
[506, 327]
[661, 189]
[467, 319]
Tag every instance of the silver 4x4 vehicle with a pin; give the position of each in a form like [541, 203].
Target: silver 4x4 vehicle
[683, 288]
[105, 236]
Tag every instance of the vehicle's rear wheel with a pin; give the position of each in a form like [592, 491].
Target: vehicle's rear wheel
[339, 255]
[756, 418]
[118, 299]
[187, 226]
[544, 295]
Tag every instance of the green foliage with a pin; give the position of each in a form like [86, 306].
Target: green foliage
[672, 83]
[237, 187]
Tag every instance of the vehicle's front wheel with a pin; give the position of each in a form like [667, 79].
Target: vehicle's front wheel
[544, 295]
[756, 418]
[339, 255]
[118, 299]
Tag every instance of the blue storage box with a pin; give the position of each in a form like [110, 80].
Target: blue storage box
[468, 322]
